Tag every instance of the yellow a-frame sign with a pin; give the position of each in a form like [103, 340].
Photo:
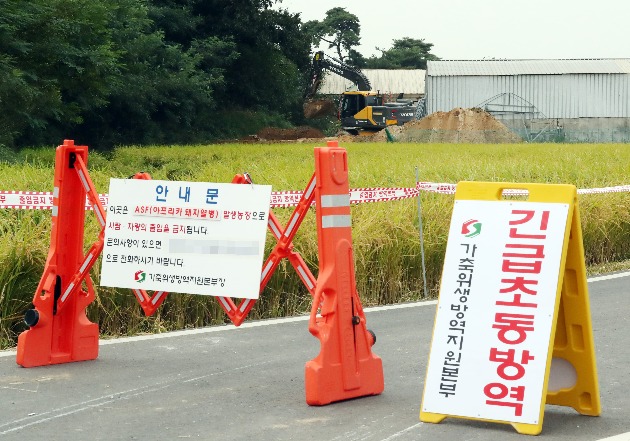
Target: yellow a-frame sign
[512, 329]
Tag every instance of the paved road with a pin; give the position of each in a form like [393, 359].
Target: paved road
[247, 383]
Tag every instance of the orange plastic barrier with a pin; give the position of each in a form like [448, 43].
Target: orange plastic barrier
[59, 331]
[345, 367]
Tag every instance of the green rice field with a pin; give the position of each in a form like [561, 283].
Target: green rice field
[385, 235]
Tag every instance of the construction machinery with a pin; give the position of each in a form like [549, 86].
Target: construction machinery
[362, 109]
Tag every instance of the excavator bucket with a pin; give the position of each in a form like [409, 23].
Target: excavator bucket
[319, 108]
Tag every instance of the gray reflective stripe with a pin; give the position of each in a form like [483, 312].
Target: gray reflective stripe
[157, 297]
[98, 215]
[266, 270]
[309, 190]
[274, 229]
[65, 294]
[244, 305]
[139, 295]
[336, 221]
[291, 225]
[84, 181]
[56, 192]
[225, 303]
[305, 277]
[86, 263]
[55, 210]
[336, 200]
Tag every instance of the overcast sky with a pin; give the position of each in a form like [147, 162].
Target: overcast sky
[476, 29]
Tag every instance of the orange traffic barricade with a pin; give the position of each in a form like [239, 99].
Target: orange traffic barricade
[59, 329]
[345, 367]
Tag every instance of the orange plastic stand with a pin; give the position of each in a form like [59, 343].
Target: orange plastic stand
[61, 335]
[345, 367]
[59, 329]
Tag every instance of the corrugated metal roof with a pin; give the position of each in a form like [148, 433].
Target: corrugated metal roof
[409, 81]
[527, 67]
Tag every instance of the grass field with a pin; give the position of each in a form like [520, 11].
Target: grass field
[385, 235]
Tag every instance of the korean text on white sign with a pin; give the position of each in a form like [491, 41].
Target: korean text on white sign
[188, 237]
[491, 340]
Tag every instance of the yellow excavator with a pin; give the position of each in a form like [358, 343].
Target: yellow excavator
[363, 109]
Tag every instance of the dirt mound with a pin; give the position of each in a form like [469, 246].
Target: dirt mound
[319, 108]
[458, 126]
[276, 134]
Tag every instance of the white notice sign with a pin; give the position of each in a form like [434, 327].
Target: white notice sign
[495, 312]
[188, 237]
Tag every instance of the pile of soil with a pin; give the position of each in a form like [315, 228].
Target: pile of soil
[457, 126]
[319, 108]
[276, 134]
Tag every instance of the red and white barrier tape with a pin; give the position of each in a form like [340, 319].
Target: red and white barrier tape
[38, 200]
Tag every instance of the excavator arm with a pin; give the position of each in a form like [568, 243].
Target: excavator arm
[322, 62]
[359, 110]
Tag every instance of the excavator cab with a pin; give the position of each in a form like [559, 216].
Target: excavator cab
[362, 110]
[353, 102]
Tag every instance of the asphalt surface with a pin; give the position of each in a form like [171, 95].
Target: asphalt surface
[247, 383]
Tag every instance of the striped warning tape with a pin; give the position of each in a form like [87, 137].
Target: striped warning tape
[38, 200]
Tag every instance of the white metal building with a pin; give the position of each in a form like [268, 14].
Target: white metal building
[410, 82]
[576, 94]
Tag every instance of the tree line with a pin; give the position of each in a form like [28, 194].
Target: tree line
[110, 72]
